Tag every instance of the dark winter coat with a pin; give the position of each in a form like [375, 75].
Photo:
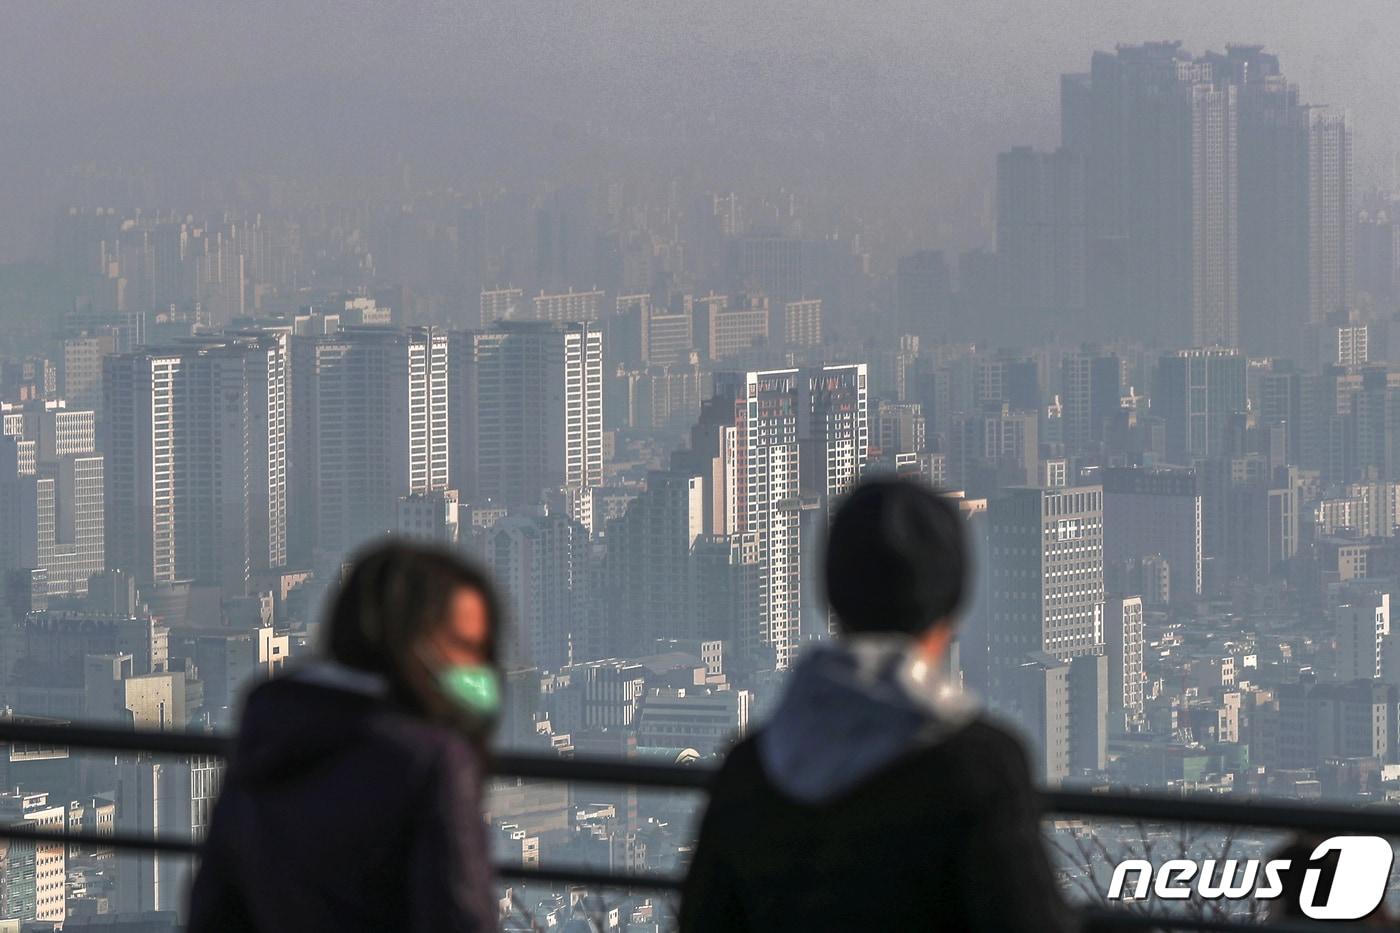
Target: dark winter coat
[872, 800]
[341, 812]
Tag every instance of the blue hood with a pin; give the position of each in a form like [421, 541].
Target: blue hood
[852, 708]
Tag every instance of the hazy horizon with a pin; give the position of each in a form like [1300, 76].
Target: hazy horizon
[906, 98]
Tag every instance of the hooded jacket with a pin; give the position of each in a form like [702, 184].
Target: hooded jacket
[341, 811]
[875, 798]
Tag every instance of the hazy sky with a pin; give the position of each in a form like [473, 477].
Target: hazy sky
[922, 91]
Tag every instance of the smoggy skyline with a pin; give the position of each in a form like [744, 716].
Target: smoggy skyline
[902, 106]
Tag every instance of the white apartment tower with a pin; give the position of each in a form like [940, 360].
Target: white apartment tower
[772, 446]
[51, 500]
[372, 426]
[1331, 225]
[1215, 215]
[527, 403]
[1363, 628]
[196, 444]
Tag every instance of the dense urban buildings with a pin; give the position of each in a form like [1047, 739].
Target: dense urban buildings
[1160, 377]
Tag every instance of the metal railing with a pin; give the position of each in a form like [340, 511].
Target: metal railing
[1145, 808]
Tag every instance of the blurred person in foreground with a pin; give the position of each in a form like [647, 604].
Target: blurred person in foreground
[877, 797]
[353, 796]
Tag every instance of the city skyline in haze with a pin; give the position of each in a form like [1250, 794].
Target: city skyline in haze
[902, 108]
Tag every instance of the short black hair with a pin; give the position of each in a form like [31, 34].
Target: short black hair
[896, 558]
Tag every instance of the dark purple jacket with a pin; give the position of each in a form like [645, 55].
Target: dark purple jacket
[342, 812]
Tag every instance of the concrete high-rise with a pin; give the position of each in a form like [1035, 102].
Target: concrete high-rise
[776, 266]
[648, 565]
[196, 445]
[372, 425]
[541, 564]
[1197, 393]
[723, 330]
[1130, 118]
[772, 447]
[994, 447]
[568, 306]
[1123, 647]
[1150, 513]
[1040, 232]
[923, 295]
[501, 304]
[1045, 575]
[1272, 202]
[1037, 690]
[1363, 628]
[51, 496]
[1215, 313]
[527, 401]
[1331, 221]
[1091, 392]
[1216, 203]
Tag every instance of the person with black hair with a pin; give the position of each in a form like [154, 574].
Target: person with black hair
[352, 799]
[877, 797]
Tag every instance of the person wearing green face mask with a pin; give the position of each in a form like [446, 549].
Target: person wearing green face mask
[352, 800]
[474, 687]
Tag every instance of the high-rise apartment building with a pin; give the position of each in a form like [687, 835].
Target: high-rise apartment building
[1123, 646]
[1273, 203]
[648, 568]
[996, 446]
[900, 428]
[51, 495]
[1363, 628]
[1216, 204]
[1130, 117]
[1040, 231]
[1091, 392]
[923, 295]
[771, 446]
[722, 331]
[196, 445]
[1215, 313]
[80, 368]
[501, 304]
[541, 565]
[1149, 513]
[372, 425]
[1331, 221]
[801, 323]
[668, 336]
[528, 410]
[833, 425]
[34, 872]
[1046, 579]
[1197, 394]
[775, 266]
[568, 306]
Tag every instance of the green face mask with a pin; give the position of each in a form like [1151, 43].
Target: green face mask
[474, 687]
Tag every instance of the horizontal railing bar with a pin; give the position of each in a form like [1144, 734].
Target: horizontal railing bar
[125, 841]
[115, 739]
[1199, 808]
[1096, 918]
[599, 770]
[140, 843]
[589, 876]
[1113, 921]
[1153, 808]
